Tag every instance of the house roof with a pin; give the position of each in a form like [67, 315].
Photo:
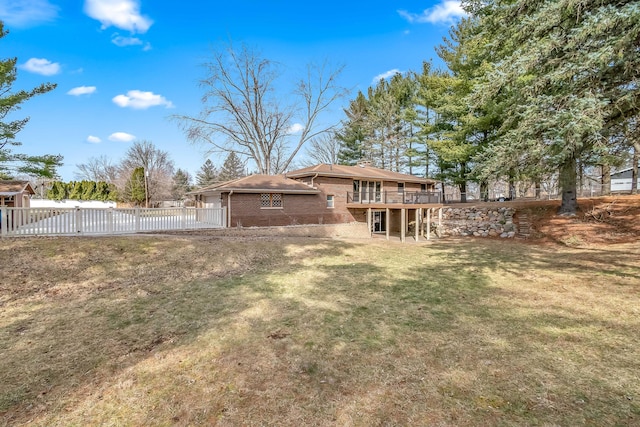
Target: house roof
[358, 172]
[623, 173]
[11, 188]
[260, 184]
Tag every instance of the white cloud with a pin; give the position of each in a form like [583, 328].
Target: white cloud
[385, 75]
[123, 14]
[23, 13]
[447, 11]
[82, 90]
[295, 128]
[121, 137]
[121, 41]
[141, 100]
[94, 139]
[41, 66]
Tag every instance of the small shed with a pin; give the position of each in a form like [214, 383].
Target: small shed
[15, 194]
[621, 180]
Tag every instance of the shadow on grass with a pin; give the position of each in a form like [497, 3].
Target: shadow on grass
[320, 332]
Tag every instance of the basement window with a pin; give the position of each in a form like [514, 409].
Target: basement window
[271, 200]
[330, 201]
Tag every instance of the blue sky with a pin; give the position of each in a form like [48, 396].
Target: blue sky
[123, 67]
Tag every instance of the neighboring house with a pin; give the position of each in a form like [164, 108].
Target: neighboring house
[621, 180]
[325, 194]
[15, 194]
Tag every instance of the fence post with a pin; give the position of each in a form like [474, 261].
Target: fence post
[110, 221]
[3, 221]
[184, 218]
[137, 219]
[78, 220]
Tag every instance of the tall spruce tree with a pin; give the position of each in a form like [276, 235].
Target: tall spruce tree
[207, 175]
[135, 190]
[353, 132]
[564, 74]
[232, 168]
[181, 184]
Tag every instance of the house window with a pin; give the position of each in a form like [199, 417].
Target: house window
[330, 202]
[401, 187]
[423, 187]
[271, 200]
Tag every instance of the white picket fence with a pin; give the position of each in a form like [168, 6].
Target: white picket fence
[94, 221]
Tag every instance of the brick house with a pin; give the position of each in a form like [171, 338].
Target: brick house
[326, 194]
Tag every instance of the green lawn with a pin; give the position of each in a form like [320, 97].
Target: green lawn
[198, 331]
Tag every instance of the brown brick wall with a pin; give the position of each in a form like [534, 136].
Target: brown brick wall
[307, 208]
[297, 209]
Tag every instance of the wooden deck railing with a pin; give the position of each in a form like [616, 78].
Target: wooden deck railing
[394, 197]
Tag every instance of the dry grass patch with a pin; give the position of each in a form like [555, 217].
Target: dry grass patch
[202, 331]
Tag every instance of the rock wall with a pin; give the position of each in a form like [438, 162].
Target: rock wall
[478, 221]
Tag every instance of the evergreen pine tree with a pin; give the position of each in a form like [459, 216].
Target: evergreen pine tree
[134, 190]
[232, 168]
[181, 185]
[207, 175]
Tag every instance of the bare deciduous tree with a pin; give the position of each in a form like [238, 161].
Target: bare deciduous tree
[157, 165]
[97, 169]
[323, 149]
[243, 113]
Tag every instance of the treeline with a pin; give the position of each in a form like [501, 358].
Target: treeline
[146, 176]
[532, 91]
[83, 190]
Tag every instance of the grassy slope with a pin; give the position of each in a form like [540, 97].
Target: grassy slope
[187, 331]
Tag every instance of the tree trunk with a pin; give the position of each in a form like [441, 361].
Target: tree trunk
[463, 192]
[512, 188]
[537, 184]
[463, 183]
[484, 191]
[634, 167]
[426, 159]
[410, 152]
[605, 180]
[568, 178]
[580, 188]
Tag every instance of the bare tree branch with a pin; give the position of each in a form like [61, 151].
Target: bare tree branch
[242, 112]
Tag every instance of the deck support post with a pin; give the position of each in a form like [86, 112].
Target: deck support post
[403, 224]
[418, 212]
[429, 224]
[387, 222]
[369, 222]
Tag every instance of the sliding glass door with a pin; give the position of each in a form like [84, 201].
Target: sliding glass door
[368, 191]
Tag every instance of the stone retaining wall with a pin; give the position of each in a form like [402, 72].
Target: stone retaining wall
[478, 221]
